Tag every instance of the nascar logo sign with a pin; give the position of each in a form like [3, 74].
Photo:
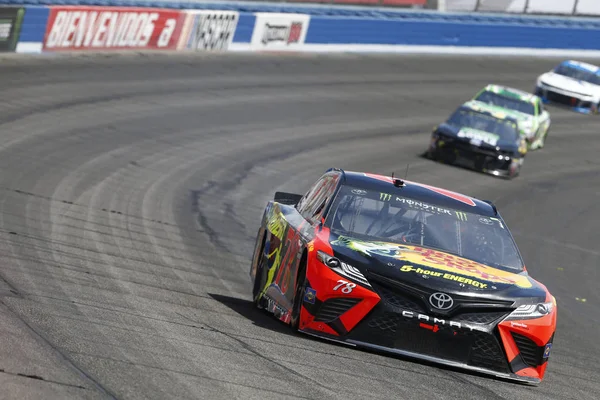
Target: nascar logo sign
[209, 30]
[279, 31]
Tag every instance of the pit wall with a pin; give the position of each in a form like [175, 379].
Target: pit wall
[277, 27]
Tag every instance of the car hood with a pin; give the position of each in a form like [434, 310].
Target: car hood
[433, 270]
[478, 137]
[570, 84]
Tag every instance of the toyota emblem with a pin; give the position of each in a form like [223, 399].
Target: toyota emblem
[441, 301]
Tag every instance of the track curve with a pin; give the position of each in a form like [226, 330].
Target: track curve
[132, 188]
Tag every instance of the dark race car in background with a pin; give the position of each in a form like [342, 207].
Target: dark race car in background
[477, 138]
[401, 267]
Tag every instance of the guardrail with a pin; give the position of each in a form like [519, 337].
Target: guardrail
[267, 27]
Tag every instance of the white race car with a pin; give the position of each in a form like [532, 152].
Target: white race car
[573, 84]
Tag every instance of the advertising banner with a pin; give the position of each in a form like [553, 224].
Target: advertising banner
[273, 31]
[10, 27]
[112, 28]
[207, 30]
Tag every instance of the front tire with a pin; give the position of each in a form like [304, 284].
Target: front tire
[543, 138]
[298, 295]
[258, 278]
[515, 172]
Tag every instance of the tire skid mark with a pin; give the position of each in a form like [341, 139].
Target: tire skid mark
[84, 206]
[39, 378]
[249, 348]
[66, 359]
[202, 376]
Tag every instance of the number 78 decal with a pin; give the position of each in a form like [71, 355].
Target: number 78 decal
[346, 286]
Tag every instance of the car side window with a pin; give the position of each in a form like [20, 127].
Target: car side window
[313, 203]
[307, 201]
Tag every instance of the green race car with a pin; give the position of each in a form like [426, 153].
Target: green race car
[527, 108]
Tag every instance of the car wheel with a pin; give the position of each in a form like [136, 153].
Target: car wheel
[258, 279]
[543, 138]
[298, 295]
[516, 171]
[428, 154]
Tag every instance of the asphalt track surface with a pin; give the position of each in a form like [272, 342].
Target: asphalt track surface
[131, 191]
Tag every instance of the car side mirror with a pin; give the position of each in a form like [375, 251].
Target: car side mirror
[291, 199]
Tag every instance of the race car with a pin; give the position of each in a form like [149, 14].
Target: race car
[527, 108]
[373, 261]
[477, 137]
[573, 84]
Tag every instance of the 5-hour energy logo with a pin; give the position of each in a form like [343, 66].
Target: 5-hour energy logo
[444, 275]
[434, 259]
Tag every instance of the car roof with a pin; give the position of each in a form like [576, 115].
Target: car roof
[418, 191]
[582, 65]
[520, 94]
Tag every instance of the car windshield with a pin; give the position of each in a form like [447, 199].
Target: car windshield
[506, 102]
[577, 73]
[504, 129]
[375, 216]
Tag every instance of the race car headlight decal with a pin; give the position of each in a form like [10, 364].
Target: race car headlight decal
[328, 260]
[342, 268]
[531, 311]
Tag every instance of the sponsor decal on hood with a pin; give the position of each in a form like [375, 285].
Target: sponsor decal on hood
[436, 260]
[478, 136]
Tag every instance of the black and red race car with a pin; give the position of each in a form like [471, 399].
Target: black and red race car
[403, 267]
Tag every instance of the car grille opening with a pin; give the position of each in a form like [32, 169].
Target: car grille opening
[475, 348]
[396, 323]
[333, 308]
[396, 300]
[487, 353]
[484, 318]
[532, 354]
[562, 99]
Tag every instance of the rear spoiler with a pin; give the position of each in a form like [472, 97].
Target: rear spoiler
[287, 198]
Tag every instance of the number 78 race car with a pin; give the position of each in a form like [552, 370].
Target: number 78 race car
[406, 268]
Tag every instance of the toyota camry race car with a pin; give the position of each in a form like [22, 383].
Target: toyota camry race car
[401, 267]
[482, 138]
[526, 108]
[573, 84]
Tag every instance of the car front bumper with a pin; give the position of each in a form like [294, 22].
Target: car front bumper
[554, 95]
[466, 155]
[436, 360]
[397, 326]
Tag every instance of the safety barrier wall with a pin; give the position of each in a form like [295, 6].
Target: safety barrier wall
[562, 7]
[256, 27]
